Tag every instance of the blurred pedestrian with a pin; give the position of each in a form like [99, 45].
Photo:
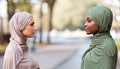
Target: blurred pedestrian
[102, 53]
[16, 54]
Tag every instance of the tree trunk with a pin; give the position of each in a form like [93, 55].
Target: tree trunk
[1, 31]
[51, 6]
[41, 15]
[10, 8]
[50, 27]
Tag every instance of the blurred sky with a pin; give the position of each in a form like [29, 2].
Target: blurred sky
[115, 3]
[3, 8]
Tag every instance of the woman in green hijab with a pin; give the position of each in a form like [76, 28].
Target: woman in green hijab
[102, 53]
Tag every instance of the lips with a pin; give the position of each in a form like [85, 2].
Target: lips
[86, 28]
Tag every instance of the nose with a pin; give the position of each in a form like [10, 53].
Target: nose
[85, 24]
[35, 28]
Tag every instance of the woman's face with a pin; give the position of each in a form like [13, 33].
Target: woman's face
[29, 29]
[90, 26]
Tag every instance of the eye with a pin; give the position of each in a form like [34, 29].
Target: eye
[32, 24]
[89, 21]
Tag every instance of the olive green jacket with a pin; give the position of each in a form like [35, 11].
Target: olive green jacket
[102, 53]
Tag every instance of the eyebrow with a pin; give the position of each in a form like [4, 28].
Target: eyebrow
[88, 18]
[32, 23]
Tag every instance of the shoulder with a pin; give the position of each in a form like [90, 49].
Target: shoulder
[109, 42]
[11, 49]
[109, 47]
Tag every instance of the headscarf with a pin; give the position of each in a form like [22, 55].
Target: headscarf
[17, 50]
[17, 44]
[102, 16]
[17, 23]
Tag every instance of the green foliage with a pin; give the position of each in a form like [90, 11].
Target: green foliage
[11, 7]
[118, 45]
[20, 6]
[2, 48]
[24, 7]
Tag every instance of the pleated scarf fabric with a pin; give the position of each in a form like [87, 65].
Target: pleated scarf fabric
[16, 54]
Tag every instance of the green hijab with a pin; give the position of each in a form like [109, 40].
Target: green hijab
[102, 53]
[102, 16]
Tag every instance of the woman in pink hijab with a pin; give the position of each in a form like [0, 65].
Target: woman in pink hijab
[16, 54]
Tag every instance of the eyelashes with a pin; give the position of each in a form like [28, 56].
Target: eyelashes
[32, 24]
[88, 19]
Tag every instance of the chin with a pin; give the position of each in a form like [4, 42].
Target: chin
[30, 36]
[88, 33]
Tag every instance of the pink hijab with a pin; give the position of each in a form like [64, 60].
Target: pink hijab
[16, 55]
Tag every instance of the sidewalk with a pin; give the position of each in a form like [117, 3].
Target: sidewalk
[60, 56]
[74, 62]
[50, 57]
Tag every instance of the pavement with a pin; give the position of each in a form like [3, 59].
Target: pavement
[52, 57]
[1, 61]
[65, 56]
[60, 56]
[74, 60]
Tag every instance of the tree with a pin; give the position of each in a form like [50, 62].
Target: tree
[51, 4]
[10, 8]
[24, 5]
[41, 15]
[1, 31]
[21, 5]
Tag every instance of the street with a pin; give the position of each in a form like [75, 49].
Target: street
[59, 56]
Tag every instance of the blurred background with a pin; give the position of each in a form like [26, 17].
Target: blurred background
[60, 39]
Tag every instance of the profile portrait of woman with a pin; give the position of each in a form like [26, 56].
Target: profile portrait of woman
[16, 55]
[102, 53]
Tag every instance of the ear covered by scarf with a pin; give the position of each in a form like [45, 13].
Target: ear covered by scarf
[17, 23]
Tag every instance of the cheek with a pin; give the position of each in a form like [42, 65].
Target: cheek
[94, 29]
[30, 31]
[27, 32]
[91, 29]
